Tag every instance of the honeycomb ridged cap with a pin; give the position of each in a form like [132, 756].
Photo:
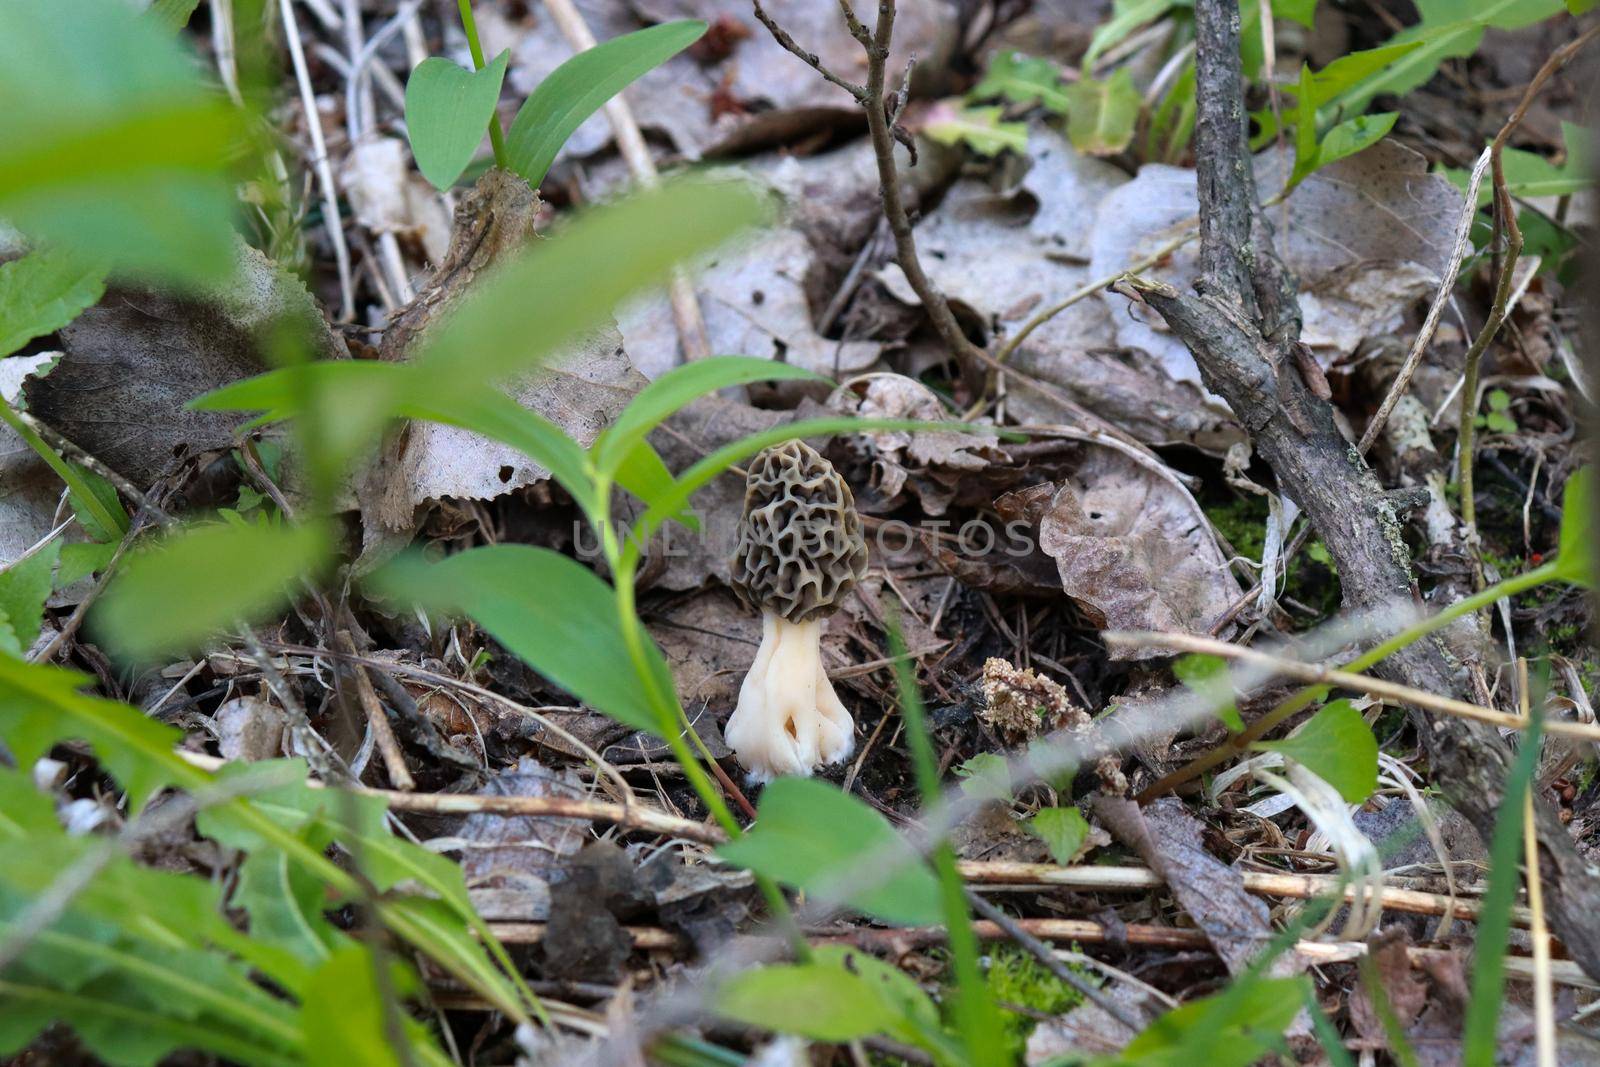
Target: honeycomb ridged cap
[800, 543]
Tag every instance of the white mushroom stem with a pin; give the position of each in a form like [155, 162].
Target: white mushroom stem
[789, 720]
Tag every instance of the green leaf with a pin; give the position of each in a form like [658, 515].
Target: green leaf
[24, 810]
[41, 705]
[93, 499]
[979, 128]
[1234, 1028]
[656, 402]
[644, 473]
[24, 587]
[173, 14]
[448, 111]
[1336, 745]
[116, 150]
[1302, 11]
[1022, 79]
[42, 292]
[1101, 114]
[1355, 135]
[1575, 559]
[342, 1014]
[1478, 1039]
[1126, 16]
[1208, 677]
[1064, 830]
[580, 86]
[821, 1001]
[548, 609]
[285, 905]
[810, 835]
[1449, 29]
[202, 580]
[986, 776]
[1581, 7]
[528, 307]
[80, 560]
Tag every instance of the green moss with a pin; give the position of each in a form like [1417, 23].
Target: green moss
[1312, 579]
[1016, 978]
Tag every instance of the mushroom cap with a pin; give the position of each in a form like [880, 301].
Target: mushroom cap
[800, 544]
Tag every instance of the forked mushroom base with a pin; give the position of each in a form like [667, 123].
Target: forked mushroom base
[789, 719]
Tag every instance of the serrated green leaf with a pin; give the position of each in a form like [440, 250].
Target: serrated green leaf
[548, 609]
[1101, 114]
[1022, 79]
[1064, 830]
[580, 86]
[42, 292]
[202, 580]
[979, 128]
[24, 587]
[810, 835]
[1336, 745]
[40, 706]
[448, 110]
[115, 148]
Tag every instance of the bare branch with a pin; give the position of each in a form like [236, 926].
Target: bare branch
[810, 59]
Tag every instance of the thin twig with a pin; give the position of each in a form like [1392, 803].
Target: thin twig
[1544, 1010]
[394, 762]
[810, 59]
[631, 144]
[1311, 674]
[319, 162]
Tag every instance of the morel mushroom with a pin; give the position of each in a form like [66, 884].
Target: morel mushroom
[800, 551]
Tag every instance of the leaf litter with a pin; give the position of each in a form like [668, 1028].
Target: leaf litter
[1138, 532]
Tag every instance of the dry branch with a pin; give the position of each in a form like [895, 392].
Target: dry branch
[1242, 326]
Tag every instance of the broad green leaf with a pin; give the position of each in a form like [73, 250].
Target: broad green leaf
[1101, 114]
[42, 292]
[1022, 79]
[114, 148]
[701, 473]
[1064, 830]
[173, 14]
[122, 1036]
[285, 905]
[644, 473]
[1207, 676]
[810, 835]
[448, 110]
[656, 402]
[79, 560]
[1581, 7]
[367, 394]
[979, 128]
[528, 307]
[1307, 155]
[202, 580]
[1233, 1028]
[1575, 558]
[548, 609]
[985, 776]
[580, 86]
[917, 1020]
[821, 1001]
[1126, 16]
[41, 706]
[1355, 135]
[1302, 11]
[1478, 1040]
[24, 587]
[24, 810]
[1336, 745]
[343, 1013]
